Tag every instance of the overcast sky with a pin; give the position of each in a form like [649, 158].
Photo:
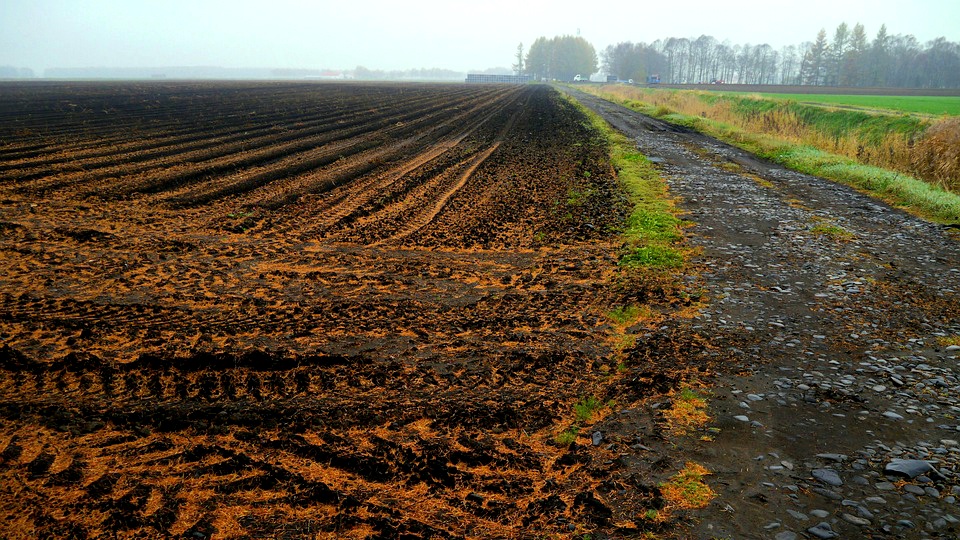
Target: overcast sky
[402, 34]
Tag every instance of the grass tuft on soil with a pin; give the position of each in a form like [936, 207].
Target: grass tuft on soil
[586, 407]
[947, 341]
[585, 411]
[687, 490]
[689, 412]
[830, 230]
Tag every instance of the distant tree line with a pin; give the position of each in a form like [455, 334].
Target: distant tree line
[849, 59]
[423, 74]
[11, 72]
[561, 58]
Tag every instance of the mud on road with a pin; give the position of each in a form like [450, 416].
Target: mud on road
[842, 317]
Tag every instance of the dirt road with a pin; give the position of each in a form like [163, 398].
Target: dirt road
[844, 315]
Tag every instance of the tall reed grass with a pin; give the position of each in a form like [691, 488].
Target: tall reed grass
[927, 149]
[937, 156]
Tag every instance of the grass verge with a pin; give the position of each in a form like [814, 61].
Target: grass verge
[927, 200]
[652, 234]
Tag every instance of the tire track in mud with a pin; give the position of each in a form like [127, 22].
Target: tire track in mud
[349, 171]
[52, 180]
[416, 223]
[171, 128]
[298, 164]
[285, 157]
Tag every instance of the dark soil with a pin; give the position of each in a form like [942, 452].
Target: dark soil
[242, 310]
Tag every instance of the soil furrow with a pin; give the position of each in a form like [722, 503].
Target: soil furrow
[229, 357]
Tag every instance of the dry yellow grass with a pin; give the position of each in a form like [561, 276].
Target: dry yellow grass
[937, 155]
[934, 157]
[688, 413]
[686, 490]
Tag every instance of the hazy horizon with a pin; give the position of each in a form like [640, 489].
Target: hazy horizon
[380, 35]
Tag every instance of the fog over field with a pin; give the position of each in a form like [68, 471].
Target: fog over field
[380, 34]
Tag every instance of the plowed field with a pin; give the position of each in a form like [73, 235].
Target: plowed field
[279, 310]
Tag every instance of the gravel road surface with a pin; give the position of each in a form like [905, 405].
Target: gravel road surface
[840, 416]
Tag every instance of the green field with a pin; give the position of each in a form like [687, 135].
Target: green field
[928, 105]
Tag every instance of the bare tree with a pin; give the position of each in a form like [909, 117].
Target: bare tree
[902, 66]
[789, 65]
[940, 62]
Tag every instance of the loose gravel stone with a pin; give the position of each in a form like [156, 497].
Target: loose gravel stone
[855, 520]
[914, 489]
[823, 530]
[797, 515]
[909, 468]
[596, 438]
[828, 476]
[828, 493]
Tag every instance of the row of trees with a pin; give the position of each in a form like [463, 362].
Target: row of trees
[849, 59]
[424, 74]
[11, 72]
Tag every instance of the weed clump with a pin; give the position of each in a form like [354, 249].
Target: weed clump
[686, 490]
[689, 412]
[937, 155]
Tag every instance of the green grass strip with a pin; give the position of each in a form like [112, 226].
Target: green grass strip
[929, 105]
[652, 233]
